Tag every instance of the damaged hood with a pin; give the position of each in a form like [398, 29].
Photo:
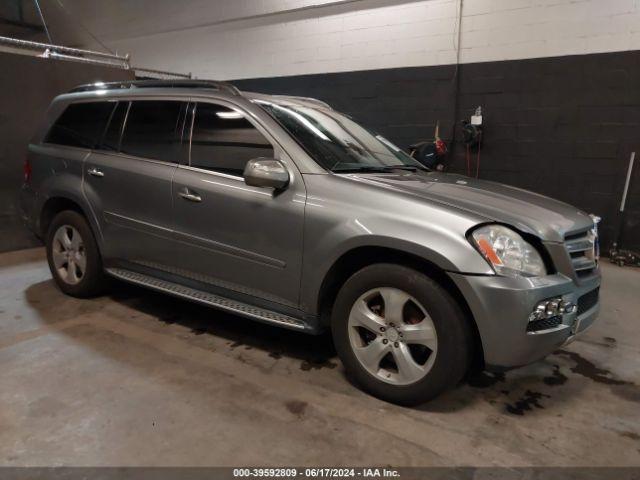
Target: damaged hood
[529, 212]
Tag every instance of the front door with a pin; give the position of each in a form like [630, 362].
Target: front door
[241, 238]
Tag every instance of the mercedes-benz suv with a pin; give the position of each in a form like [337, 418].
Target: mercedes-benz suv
[286, 211]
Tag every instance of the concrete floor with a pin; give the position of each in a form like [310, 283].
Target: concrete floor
[138, 378]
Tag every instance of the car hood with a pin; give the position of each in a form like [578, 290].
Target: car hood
[529, 212]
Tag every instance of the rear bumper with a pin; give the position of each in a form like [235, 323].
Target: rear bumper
[501, 307]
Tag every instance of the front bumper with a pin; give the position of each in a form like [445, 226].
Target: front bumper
[501, 308]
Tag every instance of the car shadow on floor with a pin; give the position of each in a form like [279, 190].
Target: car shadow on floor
[527, 391]
[235, 329]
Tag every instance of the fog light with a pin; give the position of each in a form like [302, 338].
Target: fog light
[551, 307]
[567, 307]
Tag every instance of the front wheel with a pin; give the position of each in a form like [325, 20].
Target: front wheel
[399, 334]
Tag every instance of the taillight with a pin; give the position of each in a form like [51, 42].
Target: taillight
[27, 170]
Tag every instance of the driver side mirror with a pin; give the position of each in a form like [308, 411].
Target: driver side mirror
[266, 172]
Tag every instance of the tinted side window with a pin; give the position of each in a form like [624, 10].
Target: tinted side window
[111, 140]
[154, 130]
[81, 124]
[224, 141]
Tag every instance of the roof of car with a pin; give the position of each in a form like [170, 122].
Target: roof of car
[162, 84]
[169, 86]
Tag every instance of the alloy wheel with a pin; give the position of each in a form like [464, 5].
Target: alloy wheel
[69, 255]
[392, 336]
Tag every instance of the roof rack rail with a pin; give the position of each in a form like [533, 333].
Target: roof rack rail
[314, 101]
[222, 86]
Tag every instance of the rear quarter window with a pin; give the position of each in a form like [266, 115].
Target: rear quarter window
[81, 124]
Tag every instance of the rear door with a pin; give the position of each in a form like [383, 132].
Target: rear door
[128, 179]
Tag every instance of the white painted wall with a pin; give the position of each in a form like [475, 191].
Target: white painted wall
[232, 39]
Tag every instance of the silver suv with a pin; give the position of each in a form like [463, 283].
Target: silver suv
[286, 211]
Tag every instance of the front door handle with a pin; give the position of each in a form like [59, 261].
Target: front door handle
[95, 172]
[189, 195]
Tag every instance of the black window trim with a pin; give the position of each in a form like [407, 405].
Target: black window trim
[43, 141]
[107, 125]
[106, 128]
[275, 145]
[60, 145]
[142, 159]
[279, 151]
[124, 124]
[120, 153]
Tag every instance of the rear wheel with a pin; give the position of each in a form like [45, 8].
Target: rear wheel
[73, 255]
[399, 334]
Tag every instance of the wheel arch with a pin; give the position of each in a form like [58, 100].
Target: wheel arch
[59, 203]
[357, 258]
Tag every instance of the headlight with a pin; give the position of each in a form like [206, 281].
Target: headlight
[507, 252]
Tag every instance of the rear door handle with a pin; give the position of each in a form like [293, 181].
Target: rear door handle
[189, 195]
[95, 172]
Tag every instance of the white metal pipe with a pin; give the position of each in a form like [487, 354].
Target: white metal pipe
[162, 72]
[93, 61]
[626, 183]
[83, 56]
[27, 44]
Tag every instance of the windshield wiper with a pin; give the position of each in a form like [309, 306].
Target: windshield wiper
[411, 168]
[378, 168]
[361, 168]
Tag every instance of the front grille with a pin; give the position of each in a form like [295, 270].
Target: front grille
[544, 324]
[580, 247]
[588, 300]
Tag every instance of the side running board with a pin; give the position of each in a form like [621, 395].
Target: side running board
[207, 298]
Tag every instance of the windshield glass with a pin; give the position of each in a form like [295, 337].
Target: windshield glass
[338, 143]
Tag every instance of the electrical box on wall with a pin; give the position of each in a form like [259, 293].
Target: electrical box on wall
[472, 131]
[472, 139]
[477, 118]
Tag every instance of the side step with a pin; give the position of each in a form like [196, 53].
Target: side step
[207, 298]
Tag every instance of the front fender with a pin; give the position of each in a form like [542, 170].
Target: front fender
[334, 228]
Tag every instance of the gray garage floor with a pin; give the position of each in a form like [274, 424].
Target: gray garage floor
[137, 378]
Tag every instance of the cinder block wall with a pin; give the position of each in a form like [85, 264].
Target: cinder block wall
[558, 80]
[560, 126]
[230, 39]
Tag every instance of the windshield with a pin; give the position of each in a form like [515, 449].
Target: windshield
[338, 143]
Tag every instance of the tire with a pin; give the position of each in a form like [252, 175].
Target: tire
[437, 365]
[61, 238]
